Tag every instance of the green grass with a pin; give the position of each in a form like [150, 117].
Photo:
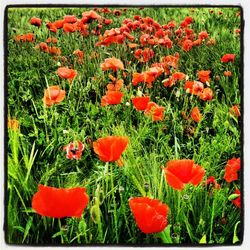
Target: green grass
[35, 152]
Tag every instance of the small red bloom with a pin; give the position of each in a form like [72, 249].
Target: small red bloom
[73, 152]
[140, 103]
[70, 19]
[181, 172]
[110, 148]
[155, 111]
[228, 58]
[237, 201]
[212, 181]
[194, 87]
[150, 214]
[178, 76]
[111, 98]
[112, 63]
[53, 95]
[231, 170]
[36, 21]
[60, 202]
[227, 73]
[203, 35]
[196, 115]
[187, 45]
[206, 95]
[66, 73]
[204, 75]
[234, 110]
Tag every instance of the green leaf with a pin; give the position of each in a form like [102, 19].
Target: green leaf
[165, 235]
[27, 228]
[203, 240]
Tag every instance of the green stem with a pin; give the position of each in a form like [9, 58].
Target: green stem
[114, 203]
[60, 227]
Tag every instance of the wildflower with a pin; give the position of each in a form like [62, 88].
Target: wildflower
[111, 98]
[237, 201]
[36, 21]
[73, 152]
[203, 35]
[194, 87]
[144, 55]
[53, 95]
[140, 102]
[58, 24]
[206, 94]
[155, 111]
[13, 124]
[110, 148]
[204, 75]
[227, 73]
[150, 214]
[231, 170]
[51, 40]
[44, 47]
[70, 19]
[79, 54]
[211, 181]
[51, 27]
[234, 110]
[60, 202]
[66, 73]
[178, 76]
[54, 51]
[228, 58]
[181, 172]
[112, 63]
[187, 45]
[196, 115]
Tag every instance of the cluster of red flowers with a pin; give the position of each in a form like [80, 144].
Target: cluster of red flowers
[29, 37]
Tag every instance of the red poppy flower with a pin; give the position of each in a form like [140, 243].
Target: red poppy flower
[79, 54]
[54, 51]
[204, 75]
[197, 42]
[234, 110]
[196, 115]
[110, 148]
[53, 95]
[150, 214]
[140, 102]
[181, 172]
[112, 63]
[73, 152]
[111, 98]
[36, 21]
[66, 73]
[187, 45]
[155, 111]
[178, 76]
[60, 202]
[212, 181]
[203, 35]
[188, 19]
[58, 24]
[206, 95]
[88, 16]
[171, 61]
[70, 19]
[194, 87]
[237, 201]
[116, 85]
[144, 55]
[227, 73]
[51, 40]
[51, 27]
[169, 82]
[69, 27]
[44, 47]
[231, 170]
[228, 58]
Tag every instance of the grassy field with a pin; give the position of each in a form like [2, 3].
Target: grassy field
[201, 212]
